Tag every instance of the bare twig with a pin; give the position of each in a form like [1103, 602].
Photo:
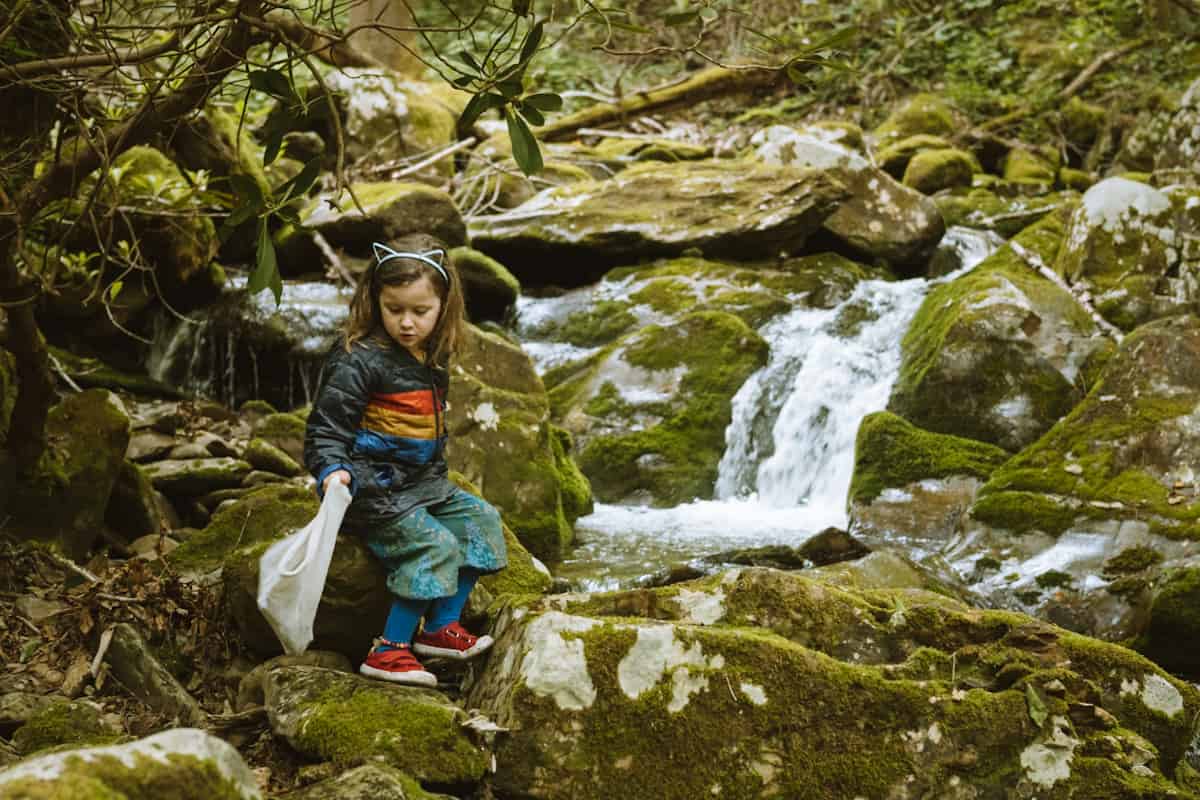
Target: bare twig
[1090, 71]
[118, 58]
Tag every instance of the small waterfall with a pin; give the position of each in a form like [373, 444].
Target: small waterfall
[246, 348]
[792, 439]
[790, 448]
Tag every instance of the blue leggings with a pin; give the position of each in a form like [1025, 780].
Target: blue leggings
[406, 612]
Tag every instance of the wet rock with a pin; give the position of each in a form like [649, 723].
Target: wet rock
[250, 688]
[332, 716]
[1001, 353]
[135, 666]
[196, 765]
[648, 412]
[1116, 473]
[653, 210]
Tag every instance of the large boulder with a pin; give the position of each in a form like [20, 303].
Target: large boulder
[758, 683]
[1001, 353]
[65, 496]
[1135, 249]
[571, 235]
[881, 219]
[389, 122]
[1117, 472]
[650, 410]
[329, 715]
[912, 483]
[182, 763]
[489, 289]
[384, 211]
[502, 442]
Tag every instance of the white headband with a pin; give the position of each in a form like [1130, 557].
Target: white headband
[384, 253]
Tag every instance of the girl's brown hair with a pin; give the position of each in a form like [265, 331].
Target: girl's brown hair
[365, 318]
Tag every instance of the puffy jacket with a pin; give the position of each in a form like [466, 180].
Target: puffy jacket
[380, 414]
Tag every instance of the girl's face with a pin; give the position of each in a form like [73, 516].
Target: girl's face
[410, 313]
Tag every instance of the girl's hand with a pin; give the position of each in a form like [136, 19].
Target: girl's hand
[339, 475]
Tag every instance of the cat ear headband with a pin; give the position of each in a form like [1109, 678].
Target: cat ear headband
[384, 253]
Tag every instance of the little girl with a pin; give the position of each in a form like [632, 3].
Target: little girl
[378, 425]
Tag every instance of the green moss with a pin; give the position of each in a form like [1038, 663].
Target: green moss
[894, 158]
[931, 170]
[259, 517]
[946, 329]
[485, 270]
[280, 426]
[1132, 559]
[1076, 179]
[421, 734]
[261, 407]
[1021, 512]
[576, 491]
[1030, 166]
[63, 723]
[891, 452]
[604, 322]
[178, 777]
[1007, 215]
[922, 113]
[676, 459]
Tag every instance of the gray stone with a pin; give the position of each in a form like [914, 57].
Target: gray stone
[135, 666]
[250, 688]
[368, 782]
[197, 476]
[149, 445]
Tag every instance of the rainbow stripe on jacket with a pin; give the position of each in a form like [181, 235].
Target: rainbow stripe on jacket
[402, 426]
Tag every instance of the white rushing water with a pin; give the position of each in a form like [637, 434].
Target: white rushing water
[790, 448]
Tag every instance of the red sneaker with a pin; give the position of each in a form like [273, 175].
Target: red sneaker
[452, 641]
[398, 665]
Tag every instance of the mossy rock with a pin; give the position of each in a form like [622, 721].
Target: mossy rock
[930, 171]
[491, 290]
[1076, 179]
[285, 431]
[499, 424]
[65, 496]
[803, 675]
[882, 219]
[182, 764]
[389, 210]
[570, 236]
[891, 452]
[981, 207]
[1181, 139]
[92, 373]
[1001, 353]
[1108, 459]
[66, 722]
[263, 455]
[369, 782]
[893, 159]
[664, 449]
[1124, 243]
[920, 114]
[1175, 619]
[1082, 123]
[1026, 165]
[332, 716]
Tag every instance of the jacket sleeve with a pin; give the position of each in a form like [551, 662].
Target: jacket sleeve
[336, 415]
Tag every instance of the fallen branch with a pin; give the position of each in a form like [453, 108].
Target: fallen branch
[1072, 88]
[704, 85]
[120, 58]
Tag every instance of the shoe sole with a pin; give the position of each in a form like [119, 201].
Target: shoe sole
[422, 678]
[481, 645]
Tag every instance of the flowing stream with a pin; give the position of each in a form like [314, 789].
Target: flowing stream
[790, 447]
